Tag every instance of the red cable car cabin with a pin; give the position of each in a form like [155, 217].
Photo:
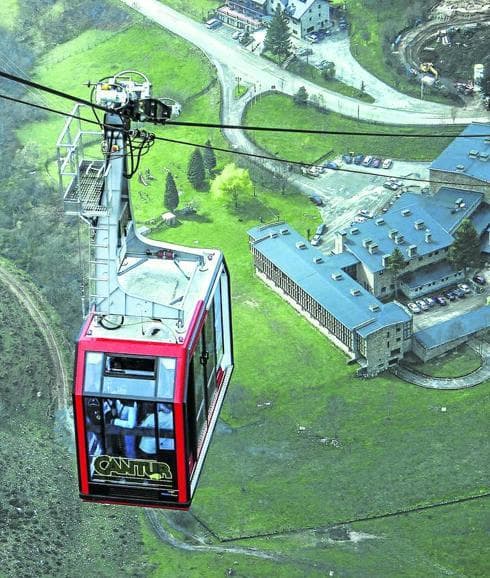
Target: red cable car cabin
[147, 397]
[154, 356]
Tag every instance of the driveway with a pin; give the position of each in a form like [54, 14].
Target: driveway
[264, 74]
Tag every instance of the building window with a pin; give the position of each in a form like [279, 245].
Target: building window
[383, 289]
[395, 351]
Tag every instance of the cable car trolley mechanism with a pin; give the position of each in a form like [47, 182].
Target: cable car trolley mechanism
[154, 356]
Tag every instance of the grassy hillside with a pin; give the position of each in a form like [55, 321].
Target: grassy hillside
[10, 12]
[44, 528]
[277, 110]
[302, 443]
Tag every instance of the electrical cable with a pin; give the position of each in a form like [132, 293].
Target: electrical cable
[237, 126]
[309, 165]
[316, 131]
[235, 152]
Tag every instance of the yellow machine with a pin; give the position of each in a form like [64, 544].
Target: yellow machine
[428, 67]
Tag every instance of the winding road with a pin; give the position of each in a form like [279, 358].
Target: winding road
[390, 107]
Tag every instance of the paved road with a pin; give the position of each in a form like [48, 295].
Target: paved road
[264, 74]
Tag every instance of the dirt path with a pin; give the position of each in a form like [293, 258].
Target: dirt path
[17, 287]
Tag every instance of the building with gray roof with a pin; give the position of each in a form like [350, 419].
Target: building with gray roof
[422, 228]
[442, 337]
[377, 335]
[465, 163]
[304, 16]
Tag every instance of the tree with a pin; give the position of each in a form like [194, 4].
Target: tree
[171, 197]
[209, 157]
[232, 182]
[465, 251]
[195, 170]
[277, 40]
[301, 97]
[396, 263]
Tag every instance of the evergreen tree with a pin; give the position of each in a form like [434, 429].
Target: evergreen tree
[301, 97]
[195, 170]
[465, 251]
[396, 263]
[171, 197]
[277, 40]
[209, 157]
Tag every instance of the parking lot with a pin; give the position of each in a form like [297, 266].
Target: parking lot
[345, 194]
[438, 313]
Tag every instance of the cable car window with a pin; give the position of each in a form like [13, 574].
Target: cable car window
[197, 384]
[144, 366]
[218, 323]
[129, 376]
[122, 437]
[166, 377]
[210, 347]
[93, 372]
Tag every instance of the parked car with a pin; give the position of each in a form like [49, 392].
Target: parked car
[321, 229]
[376, 163]
[480, 279]
[331, 165]
[414, 308]
[316, 200]
[422, 304]
[364, 213]
[213, 23]
[316, 240]
[464, 287]
[236, 34]
[397, 182]
[459, 293]
[451, 295]
[390, 185]
[367, 161]
[312, 38]
[304, 52]
[440, 299]
[430, 301]
[347, 159]
[358, 159]
[387, 164]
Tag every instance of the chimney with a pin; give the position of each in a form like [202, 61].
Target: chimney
[366, 243]
[419, 224]
[373, 248]
[380, 221]
[428, 236]
[399, 239]
[393, 233]
[339, 241]
[412, 250]
[406, 212]
[384, 260]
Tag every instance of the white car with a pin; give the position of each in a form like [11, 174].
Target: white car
[316, 240]
[236, 34]
[422, 304]
[464, 288]
[414, 308]
[387, 164]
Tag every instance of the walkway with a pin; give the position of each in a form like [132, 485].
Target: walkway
[470, 380]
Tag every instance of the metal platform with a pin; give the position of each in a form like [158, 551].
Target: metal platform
[83, 196]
